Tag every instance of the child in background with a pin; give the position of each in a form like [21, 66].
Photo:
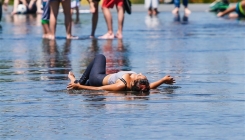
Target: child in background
[75, 7]
[239, 9]
[45, 18]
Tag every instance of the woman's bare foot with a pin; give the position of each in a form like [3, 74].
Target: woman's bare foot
[107, 36]
[71, 76]
[175, 11]
[71, 37]
[119, 35]
[155, 12]
[46, 36]
[187, 11]
[51, 37]
[14, 12]
[39, 12]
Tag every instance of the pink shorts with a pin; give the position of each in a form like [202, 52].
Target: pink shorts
[111, 3]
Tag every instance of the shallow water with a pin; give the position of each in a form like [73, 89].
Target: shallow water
[205, 55]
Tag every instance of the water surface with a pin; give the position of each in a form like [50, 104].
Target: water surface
[205, 55]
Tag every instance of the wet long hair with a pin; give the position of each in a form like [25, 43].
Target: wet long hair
[140, 85]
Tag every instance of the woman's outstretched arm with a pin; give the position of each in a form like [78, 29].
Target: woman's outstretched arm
[227, 11]
[165, 80]
[113, 87]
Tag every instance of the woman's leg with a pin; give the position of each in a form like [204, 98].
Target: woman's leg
[16, 3]
[98, 71]
[86, 74]
[187, 11]
[54, 9]
[177, 5]
[66, 4]
[95, 17]
[97, 66]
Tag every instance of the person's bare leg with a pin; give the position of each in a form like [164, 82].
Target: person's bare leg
[54, 9]
[16, 3]
[233, 15]
[71, 76]
[187, 11]
[95, 17]
[77, 14]
[108, 19]
[24, 2]
[120, 13]
[39, 7]
[92, 7]
[45, 30]
[176, 10]
[66, 4]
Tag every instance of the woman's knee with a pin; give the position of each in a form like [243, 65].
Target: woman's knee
[100, 56]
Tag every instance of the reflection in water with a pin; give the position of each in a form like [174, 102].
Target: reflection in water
[110, 95]
[56, 58]
[116, 59]
[152, 21]
[177, 18]
[23, 21]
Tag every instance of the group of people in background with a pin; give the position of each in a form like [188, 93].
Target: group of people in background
[50, 9]
[152, 6]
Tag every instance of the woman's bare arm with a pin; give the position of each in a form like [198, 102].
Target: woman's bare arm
[165, 80]
[227, 11]
[113, 87]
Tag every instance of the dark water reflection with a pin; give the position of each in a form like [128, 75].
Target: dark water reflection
[205, 55]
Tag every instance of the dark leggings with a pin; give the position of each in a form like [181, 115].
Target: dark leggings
[95, 72]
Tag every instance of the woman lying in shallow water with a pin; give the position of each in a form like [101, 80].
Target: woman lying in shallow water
[95, 78]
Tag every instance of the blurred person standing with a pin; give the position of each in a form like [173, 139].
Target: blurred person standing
[177, 6]
[54, 10]
[106, 5]
[152, 6]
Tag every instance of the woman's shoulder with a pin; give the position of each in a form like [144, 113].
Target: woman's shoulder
[129, 72]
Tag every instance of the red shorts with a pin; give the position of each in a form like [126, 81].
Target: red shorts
[111, 3]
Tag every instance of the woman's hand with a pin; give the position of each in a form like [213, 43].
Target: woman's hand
[168, 80]
[220, 14]
[73, 86]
